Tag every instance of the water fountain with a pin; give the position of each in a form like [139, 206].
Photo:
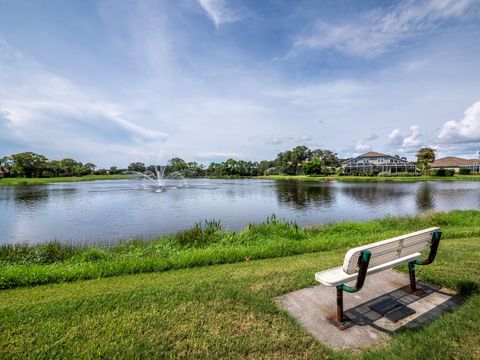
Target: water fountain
[159, 182]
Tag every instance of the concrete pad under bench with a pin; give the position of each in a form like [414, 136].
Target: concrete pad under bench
[313, 307]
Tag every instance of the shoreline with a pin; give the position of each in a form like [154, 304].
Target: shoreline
[63, 179]
[320, 178]
[459, 178]
[207, 243]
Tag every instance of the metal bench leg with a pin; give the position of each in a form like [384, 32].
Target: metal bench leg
[431, 257]
[411, 272]
[339, 305]
[364, 259]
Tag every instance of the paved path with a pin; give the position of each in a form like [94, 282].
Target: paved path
[313, 306]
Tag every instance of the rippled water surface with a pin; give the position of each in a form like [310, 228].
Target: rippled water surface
[108, 211]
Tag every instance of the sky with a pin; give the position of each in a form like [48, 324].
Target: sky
[113, 82]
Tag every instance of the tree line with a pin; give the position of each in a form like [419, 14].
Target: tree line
[299, 160]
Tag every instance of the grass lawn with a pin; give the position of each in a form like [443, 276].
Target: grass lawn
[372, 178]
[39, 181]
[220, 311]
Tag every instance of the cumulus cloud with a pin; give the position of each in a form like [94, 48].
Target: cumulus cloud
[395, 137]
[405, 141]
[218, 11]
[360, 146]
[466, 130]
[378, 31]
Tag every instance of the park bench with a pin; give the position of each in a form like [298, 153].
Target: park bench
[375, 257]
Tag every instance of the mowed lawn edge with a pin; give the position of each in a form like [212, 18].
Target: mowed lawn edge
[222, 311]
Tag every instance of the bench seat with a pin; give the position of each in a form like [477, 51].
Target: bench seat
[337, 276]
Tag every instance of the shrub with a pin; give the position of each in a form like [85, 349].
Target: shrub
[464, 171]
[443, 172]
[93, 255]
[50, 253]
[400, 174]
[201, 234]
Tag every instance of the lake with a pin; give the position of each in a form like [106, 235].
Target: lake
[105, 212]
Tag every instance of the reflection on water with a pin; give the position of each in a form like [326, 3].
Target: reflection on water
[113, 210]
[373, 194]
[425, 197]
[305, 194]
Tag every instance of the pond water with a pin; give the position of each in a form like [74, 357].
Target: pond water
[109, 211]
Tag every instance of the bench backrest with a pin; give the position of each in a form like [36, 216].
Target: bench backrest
[390, 250]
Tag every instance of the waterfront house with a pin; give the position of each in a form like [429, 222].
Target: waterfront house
[375, 161]
[456, 163]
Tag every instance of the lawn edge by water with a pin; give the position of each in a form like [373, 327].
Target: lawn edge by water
[372, 178]
[40, 181]
[196, 248]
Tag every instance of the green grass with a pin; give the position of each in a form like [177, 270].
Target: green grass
[206, 244]
[221, 311]
[372, 178]
[39, 181]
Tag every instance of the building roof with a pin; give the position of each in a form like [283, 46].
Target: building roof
[452, 161]
[373, 154]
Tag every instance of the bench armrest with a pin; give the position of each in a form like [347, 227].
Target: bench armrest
[433, 249]
[363, 261]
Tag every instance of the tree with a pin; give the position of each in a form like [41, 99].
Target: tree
[425, 157]
[329, 158]
[194, 170]
[263, 166]
[54, 168]
[137, 166]
[6, 165]
[313, 167]
[28, 164]
[176, 164]
[71, 167]
[89, 168]
[290, 161]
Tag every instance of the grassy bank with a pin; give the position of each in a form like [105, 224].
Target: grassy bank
[207, 244]
[372, 178]
[39, 181]
[223, 311]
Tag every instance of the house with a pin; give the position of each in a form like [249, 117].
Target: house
[1, 174]
[375, 161]
[456, 163]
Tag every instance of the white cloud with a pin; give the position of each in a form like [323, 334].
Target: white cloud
[413, 139]
[218, 11]
[360, 146]
[395, 137]
[378, 31]
[466, 130]
[405, 142]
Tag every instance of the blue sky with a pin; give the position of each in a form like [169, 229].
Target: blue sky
[113, 82]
